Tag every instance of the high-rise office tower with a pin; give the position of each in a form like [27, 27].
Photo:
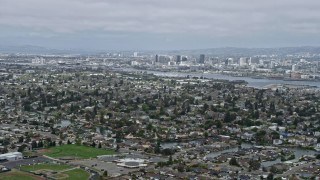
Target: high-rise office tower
[243, 61]
[184, 59]
[201, 60]
[178, 59]
[294, 68]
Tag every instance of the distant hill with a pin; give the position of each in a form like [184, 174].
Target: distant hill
[30, 49]
[224, 51]
[254, 51]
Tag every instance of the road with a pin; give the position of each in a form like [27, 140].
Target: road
[296, 169]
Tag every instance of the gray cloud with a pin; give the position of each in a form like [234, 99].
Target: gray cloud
[209, 17]
[159, 24]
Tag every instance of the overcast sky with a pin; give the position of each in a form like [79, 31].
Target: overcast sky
[159, 24]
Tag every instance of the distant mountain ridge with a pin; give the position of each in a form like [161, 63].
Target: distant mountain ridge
[30, 49]
[256, 51]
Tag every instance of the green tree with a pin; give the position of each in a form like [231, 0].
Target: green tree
[233, 162]
[105, 173]
[93, 144]
[270, 176]
[40, 144]
[157, 148]
[34, 144]
[145, 108]
[102, 120]
[229, 117]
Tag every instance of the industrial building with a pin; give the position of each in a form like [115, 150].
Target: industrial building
[11, 156]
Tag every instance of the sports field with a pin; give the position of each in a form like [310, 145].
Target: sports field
[19, 175]
[54, 167]
[57, 171]
[77, 174]
[76, 151]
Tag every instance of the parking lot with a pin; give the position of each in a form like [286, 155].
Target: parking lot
[16, 164]
[111, 167]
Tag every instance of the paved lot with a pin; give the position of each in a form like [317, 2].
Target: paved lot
[296, 169]
[112, 168]
[16, 164]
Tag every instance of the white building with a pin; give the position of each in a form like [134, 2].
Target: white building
[272, 64]
[38, 60]
[250, 61]
[134, 63]
[243, 61]
[11, 156]
[294, 67]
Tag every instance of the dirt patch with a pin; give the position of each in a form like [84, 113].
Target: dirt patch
[60, 176]
[43, 151]
[68, 158]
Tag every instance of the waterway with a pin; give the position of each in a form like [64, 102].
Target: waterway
[257, 83]
[298, 152]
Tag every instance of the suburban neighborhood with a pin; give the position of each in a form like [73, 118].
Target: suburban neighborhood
[90, 122]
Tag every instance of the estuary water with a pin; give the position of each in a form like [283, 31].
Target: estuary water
[257, 83]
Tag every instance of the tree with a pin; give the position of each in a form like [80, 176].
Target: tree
[205, 107]
[78, 142]
[233, 162]
[181, 168]
[170, 159]
[149, 127]
[270, 176]
[102, 120]
[68, 142]
[157, 148]
[272, 107]
[219, 124]
[145, 107]
[254, 164]
[228, 117]
[93, 144]
[168, 152]
[40, 144]
[21, 148]
[20, 139]
[260, 136]
[4, 150]
[34, 144]
[99, 146]
[105, 173]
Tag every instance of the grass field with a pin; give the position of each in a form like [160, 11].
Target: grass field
[54, 167]
[77, 174]
[63, 172]
[72, 150]
[18, 175]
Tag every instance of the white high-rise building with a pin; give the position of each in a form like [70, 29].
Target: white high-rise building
[135, 54]
[249, 61]
[272, 64]
[294, 67]
[243, 61]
